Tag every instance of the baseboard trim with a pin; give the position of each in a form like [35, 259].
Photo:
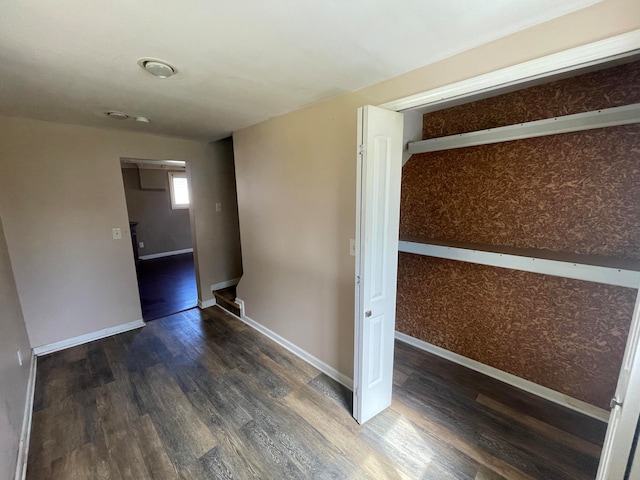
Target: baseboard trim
[25, 433]
[88, 337]
[165, 254]
[229, 283]
[521, 383]
[328, 370]
[206, 303]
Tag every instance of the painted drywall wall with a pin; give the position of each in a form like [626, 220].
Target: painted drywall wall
[296, 186]
[160, 227]
[217, 233]
[61, 194]
[13, 377]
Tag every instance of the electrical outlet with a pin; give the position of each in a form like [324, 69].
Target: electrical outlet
[352, 247]
[218, 207]
[19, 355]
[140, 244]
[117, 233]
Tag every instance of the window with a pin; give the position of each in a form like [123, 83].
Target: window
[179, 190]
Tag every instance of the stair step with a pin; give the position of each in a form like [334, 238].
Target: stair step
[225, 297]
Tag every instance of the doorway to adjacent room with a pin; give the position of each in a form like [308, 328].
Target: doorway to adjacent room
[158, 202]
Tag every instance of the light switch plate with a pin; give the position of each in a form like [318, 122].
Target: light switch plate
[140, 244]
[352, 247]
[218, 207]
[117, 233]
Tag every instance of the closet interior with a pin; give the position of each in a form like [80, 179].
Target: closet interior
[520, 246]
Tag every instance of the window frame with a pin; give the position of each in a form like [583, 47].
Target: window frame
[174, 205]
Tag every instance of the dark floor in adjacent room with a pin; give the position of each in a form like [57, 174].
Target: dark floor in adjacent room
[200, 395]
[167, 285]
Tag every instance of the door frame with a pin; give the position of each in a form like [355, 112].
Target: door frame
[559, 65]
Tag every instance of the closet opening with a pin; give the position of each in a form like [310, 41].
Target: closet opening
[519, 257]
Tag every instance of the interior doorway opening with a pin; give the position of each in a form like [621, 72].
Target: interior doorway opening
[158, 201]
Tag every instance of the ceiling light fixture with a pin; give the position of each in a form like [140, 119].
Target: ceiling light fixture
[116, 115]
[142, 119]
[157, 68]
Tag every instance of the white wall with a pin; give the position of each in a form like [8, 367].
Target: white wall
[296, 186]
[61, 193]
[13, 377]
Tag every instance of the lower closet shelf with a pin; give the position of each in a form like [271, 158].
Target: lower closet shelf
[564, 334]
[610, 271]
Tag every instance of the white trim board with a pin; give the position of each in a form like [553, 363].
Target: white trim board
[228, 283]
[521, 383]
[165, 254]
[25, 433]
[206, 303]
[577, 122]
[565, 61]
[577, 271]
[88, 337]
[328, 370]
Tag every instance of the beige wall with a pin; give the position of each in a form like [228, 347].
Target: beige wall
[61, 193]
[296, 186]
[160, 227]
[13, 377]
[217, 234]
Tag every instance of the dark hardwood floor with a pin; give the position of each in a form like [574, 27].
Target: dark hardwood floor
[199, 395]
[167, 285]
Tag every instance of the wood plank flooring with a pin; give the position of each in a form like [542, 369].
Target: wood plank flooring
[167, 285]
[199, 395]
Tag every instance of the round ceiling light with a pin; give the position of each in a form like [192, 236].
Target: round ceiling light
[116, 115]
[157, 68]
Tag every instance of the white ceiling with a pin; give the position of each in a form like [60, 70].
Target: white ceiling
[239, 61]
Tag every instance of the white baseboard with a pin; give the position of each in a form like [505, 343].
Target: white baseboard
[229, 283]
[165, 254]
[206, 303]
[521, 383]
[88, 337]
[25, 433]
[328, 370]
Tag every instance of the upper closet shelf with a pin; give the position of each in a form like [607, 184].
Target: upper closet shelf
[611, 271]
[608, 117]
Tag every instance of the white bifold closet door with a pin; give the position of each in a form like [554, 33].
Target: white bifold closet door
[625, 408]
[378, 216]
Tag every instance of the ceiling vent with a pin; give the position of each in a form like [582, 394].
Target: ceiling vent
[157, 68]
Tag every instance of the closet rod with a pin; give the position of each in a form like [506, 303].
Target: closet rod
[608, 117]
[558, 268]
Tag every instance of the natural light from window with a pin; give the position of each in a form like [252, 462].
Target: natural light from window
[179, 190]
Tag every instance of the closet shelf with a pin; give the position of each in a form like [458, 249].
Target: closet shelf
[590, 268]
[607, 117]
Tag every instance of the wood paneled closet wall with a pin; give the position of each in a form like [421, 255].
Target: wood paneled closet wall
[572, 193]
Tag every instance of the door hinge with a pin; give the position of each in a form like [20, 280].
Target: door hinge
[615, 403]
[357, 279]
[361, 150]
